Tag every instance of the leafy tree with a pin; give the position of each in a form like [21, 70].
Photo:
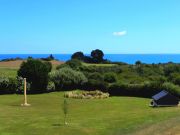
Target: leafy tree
[36, 73]
[78, 55]
[138, 62]
[97, 55]
[51, 57]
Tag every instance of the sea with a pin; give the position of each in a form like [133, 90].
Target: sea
[127, 58]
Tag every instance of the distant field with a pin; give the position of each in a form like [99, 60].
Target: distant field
[10, 68]
[112, 116]
[102, 65]
[8, 72]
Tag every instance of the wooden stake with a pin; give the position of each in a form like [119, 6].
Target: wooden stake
[25, 95]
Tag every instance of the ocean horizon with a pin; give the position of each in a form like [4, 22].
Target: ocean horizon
[127, 58]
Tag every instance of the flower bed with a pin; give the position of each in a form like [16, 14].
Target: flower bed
[86, 94]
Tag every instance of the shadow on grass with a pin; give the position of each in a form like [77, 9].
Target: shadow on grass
[57, 125]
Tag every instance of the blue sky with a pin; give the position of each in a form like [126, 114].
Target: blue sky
[67, 26]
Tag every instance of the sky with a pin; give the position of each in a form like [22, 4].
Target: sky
[67, 26]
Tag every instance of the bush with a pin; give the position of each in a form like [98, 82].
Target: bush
[171, 68]
[175, 78]
[74, 64]
[51, 87]
[62, 66]
[7, 85]
[36, 73]
[67, 78]
[20, 85]
[146, 89]
[49, 66]
[96, 84]
[101, 69]
[174, 89]
[96, 76]
[110, 77]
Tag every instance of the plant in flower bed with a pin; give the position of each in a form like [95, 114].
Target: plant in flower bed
[86, 94]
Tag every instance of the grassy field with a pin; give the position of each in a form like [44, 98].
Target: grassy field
[8, 72]
[112, 116]
[10, 68]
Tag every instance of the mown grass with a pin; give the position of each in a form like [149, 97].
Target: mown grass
[111, 116]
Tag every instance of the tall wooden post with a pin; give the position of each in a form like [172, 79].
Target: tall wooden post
[25, 95]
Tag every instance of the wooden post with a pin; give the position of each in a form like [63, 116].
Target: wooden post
[25, 95]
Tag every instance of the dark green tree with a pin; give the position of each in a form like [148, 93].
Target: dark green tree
[138, 62]
[36, 73]
[78, 55]
[97, 55]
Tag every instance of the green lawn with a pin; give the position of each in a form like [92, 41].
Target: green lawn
[112, 116]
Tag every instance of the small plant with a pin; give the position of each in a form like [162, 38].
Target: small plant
[65, 110]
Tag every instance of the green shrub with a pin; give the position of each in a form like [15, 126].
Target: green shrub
[175, 78]
[146, 89]
[101, 69]
[171, 68]
[36, 73]
[51, 87]
[20, 85]
[174, 89]
[96, 84]
[110, 77]
[62, 66]
[67, 78]
[48, 65]
[96, 76]
[7, 85]
[74, 64]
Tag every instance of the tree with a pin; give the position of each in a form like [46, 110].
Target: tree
[36, 73]
[78, 55]
[138, 62]
[97, 55]
[51, 57]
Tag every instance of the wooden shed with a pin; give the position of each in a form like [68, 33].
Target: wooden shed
[164, 98]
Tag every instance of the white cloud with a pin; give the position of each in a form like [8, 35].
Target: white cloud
[120, 33]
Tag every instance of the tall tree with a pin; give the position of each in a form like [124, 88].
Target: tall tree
[78, 55]
[97, 55]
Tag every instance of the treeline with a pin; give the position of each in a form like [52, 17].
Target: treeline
[95, 57]
[49, 58]
[140, 79]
